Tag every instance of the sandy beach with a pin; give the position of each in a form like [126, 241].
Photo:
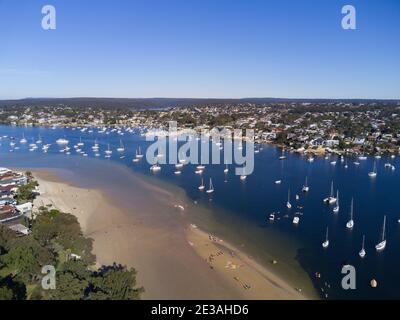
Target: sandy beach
[174, 258]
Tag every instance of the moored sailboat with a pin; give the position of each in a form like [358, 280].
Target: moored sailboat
[306, 188]
[325, 244]
[288, 204]
[362, 252]
[331, 199]
[202, 186]
[382, 245]
[373, 173]
[211, 188]
[336, 208]
[350, 223]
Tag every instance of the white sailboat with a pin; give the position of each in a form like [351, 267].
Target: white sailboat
[373, 173]
[336, 208]
[179, 165]
[211, 188]
[350, 223]
[282, 157]
[202, 186]
[155, 168]
[331, 199]
[139, 155]
[108, 151]
[382, 245]
[39, 141]
[325, 244]
[23, 140]
[288, 204]
[362, 252]
[95, 146]
[80, 143]
[121, 147]
[62, 141]
[226, 169]
[306, 188]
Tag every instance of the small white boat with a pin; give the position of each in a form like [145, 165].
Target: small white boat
[202, 186]
[243, 178]
[282, 157]
[296, 220]
[362, 157]
[350, 223]
[336, 208]
[179, 166]
[139, 154]
[306, 188]
[121, 147]
[382, 245]
[211, 188]
[288, 204]
[373, 173]
[278, 181]
[108, 151]
[311, 159]
[226, 170]
[271, 217]
[80, 143]
[23, 140]
[177, 172]
[155, 168]
[62, 141]
[331, 199]
[325, 244]
[362, 252]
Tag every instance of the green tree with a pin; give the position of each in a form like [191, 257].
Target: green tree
[115, 283]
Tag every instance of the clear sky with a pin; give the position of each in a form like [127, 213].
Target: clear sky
[200, 48]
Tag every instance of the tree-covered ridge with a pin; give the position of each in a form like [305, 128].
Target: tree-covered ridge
[57, 240]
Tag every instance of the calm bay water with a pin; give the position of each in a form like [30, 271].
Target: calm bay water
[239, 210]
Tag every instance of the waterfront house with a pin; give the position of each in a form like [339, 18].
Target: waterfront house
[25, 209]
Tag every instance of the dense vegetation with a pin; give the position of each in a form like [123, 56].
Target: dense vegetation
[57, 240]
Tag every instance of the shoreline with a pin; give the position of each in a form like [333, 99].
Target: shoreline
[165, 256]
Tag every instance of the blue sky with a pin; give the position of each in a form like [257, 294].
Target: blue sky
[200, 48]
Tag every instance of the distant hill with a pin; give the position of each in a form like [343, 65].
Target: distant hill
[159, 103]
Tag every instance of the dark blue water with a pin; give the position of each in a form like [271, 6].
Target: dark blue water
[241, 208]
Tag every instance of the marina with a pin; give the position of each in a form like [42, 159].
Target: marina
[259, 204]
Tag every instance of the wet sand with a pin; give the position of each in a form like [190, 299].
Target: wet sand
[174, 259]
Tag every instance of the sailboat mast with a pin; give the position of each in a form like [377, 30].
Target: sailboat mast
[384, 228]
[351, 210]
